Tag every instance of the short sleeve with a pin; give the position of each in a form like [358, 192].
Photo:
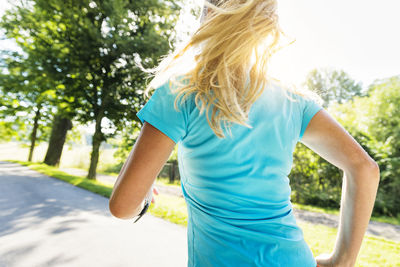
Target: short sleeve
[308, 109]
[159, 111]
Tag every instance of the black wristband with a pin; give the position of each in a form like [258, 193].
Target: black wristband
[144, 210]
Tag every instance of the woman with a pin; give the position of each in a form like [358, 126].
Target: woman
[234, 175]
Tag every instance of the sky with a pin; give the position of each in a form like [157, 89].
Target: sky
[360, 37]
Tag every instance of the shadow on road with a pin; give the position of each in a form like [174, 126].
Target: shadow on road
[27, 194]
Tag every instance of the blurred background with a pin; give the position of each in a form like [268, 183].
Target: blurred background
[70, 86]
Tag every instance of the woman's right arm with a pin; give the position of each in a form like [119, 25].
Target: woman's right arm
[331, 141]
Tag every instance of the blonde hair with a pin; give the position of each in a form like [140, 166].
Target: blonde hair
[224, 63]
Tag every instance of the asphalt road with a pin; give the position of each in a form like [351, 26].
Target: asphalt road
[47, 222]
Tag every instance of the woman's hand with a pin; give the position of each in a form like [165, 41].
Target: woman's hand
[328, 260]
[324, 260]
[155, 192]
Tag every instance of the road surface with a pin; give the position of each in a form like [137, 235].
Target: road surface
[47, 222]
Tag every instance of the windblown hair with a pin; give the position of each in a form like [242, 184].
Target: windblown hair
[225, 61]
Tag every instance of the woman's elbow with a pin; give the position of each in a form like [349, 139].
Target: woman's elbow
[121, 212]
[376, 171]
[373, 169]
[367, 167]
[376, 167]
[115, 210]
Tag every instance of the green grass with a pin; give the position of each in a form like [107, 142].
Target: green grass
[108, 173]
[160, 180]
[374, 251]
[82, 182]
[171, 208]
[165, 181]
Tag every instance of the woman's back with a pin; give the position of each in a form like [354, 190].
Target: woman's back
[236, 189]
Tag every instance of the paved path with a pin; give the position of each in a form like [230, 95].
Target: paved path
[47, 222]
[385, 230]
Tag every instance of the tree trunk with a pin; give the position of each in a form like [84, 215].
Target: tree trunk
[57, 139]
[34, 131]
[172, 172]
[98, 137]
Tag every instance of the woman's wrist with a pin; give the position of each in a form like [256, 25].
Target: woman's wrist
[139, 209]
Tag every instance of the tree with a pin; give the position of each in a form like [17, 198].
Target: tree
[314, 180]
[34, 72]
[92, 48]
[332, 85]
[27, 91]
[373, 121]
[384, 125]
[10, 124]
[118, 34]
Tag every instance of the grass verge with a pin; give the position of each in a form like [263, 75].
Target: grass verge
[165, 181]
[161, 180]
[82, 182]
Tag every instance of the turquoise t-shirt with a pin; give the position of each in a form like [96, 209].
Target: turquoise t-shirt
[237, 189]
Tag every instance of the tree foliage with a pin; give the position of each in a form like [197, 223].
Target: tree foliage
[26, 99]
[373, 121]
[332, 85]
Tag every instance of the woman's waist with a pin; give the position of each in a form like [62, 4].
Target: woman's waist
[238, 205]
[249, 226]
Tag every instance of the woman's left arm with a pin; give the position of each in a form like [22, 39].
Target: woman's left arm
[149, 154]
